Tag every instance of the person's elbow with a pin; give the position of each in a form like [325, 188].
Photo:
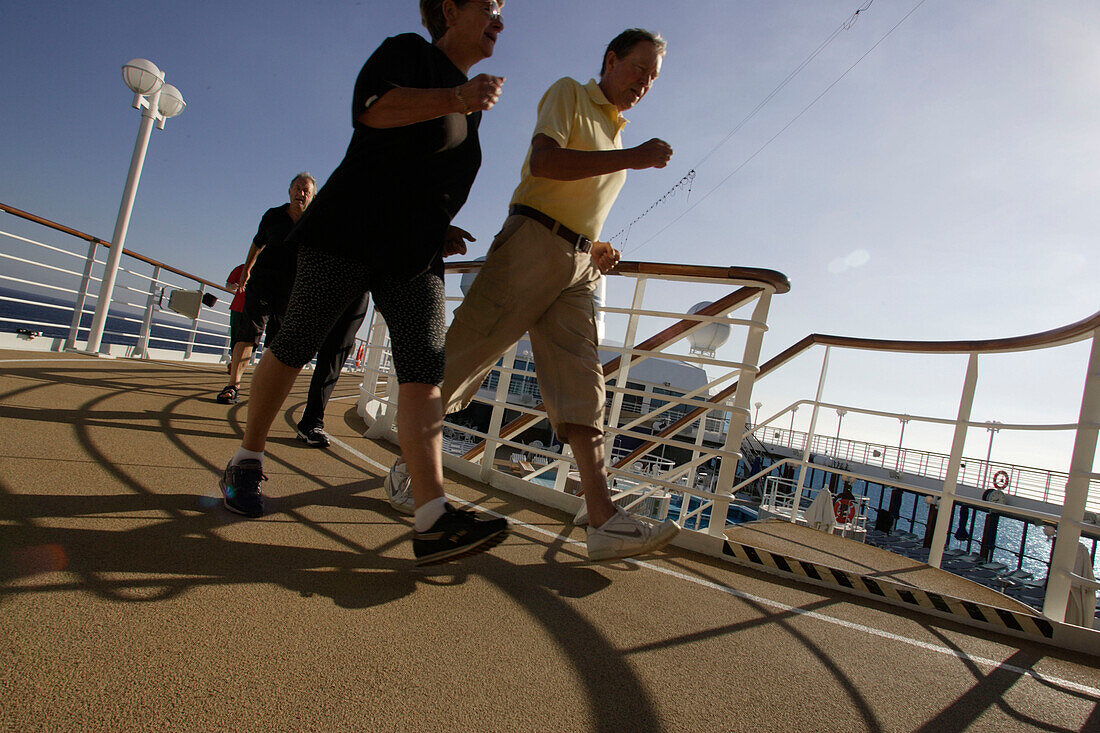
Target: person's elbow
[540, 166]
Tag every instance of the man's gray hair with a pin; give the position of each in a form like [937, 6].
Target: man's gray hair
[625, 42]
[307, 176]
[431, 15]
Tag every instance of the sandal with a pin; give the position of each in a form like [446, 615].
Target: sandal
[230, 395]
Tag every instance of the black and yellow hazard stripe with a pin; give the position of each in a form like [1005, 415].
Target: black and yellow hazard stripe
[970, 611]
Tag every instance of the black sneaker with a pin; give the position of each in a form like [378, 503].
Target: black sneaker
[240, 486]
[315, 437]
[230, 395]
[458, 533]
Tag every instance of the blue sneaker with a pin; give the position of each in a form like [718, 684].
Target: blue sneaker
[240, 485]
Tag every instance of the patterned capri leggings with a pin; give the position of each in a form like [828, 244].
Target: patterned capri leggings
[326, 284]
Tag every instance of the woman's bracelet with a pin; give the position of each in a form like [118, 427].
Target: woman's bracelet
[465, 107]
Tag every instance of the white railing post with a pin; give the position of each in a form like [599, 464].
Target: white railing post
[194, 328]
[624, 362]
[376, 344]
[947, 498]
[141, 350]
[804, 469]
[81, 296]
[1077, 491]
[739, 417]
[508, 361]
[377, 409]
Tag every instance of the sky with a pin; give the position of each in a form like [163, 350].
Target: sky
[930, 173]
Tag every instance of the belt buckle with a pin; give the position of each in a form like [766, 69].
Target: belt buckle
[584, 244]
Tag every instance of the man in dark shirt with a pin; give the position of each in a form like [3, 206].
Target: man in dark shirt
[267, 278]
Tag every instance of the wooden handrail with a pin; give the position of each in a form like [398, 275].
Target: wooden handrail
[89, 238]
[1052, 337]
[777, 281]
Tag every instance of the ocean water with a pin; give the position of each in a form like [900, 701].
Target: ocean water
[1017, 544]
[169, 331]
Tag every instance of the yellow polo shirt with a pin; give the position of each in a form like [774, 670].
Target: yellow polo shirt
[579, 117]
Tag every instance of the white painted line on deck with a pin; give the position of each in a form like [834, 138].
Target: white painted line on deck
[783, 607]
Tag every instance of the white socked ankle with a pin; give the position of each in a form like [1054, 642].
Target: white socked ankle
[244, 455]
[429, 514]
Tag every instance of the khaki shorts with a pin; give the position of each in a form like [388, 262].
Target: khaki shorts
[532, 281]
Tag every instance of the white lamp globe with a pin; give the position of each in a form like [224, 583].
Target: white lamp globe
[170, 102]
[142, 76]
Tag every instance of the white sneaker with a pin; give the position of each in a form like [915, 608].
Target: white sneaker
[399, 489]
[625, 536]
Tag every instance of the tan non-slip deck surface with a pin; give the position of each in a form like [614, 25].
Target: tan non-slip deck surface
[131, 600]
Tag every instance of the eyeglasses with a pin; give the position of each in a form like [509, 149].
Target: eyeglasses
[492, 9]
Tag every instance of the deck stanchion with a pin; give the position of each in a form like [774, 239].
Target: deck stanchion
[141, 350]
[804, 469]
[1077, 491]
[947, 498]
[624, 363]
[508, 361]
[739, 416]
[81, 296]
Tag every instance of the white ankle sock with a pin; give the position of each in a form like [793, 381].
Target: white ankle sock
[428, 514]
[243, 455]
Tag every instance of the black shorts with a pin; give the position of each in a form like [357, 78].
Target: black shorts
[242, 330]
[261, 311]
[415, 312]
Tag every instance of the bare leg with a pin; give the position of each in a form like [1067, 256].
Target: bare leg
[419, 431]
[587, 445]
[242, 352]
[271, 383]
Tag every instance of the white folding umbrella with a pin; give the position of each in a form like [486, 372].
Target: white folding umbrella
[820, 514]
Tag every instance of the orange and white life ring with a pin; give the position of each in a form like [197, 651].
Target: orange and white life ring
[1000, 479]
[360, 355]
[844, 510]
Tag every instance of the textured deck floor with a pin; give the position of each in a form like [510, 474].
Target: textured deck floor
[130, 600]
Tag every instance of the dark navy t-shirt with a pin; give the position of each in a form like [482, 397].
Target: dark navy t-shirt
[392, 197]
[275, 265]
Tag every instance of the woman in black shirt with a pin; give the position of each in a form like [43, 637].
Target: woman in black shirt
[382, 224]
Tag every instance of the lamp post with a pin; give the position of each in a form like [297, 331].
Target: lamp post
[840, 413]
[157, 101]
[756, 419]
[991, 426]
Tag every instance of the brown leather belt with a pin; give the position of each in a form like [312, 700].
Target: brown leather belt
[579, 241]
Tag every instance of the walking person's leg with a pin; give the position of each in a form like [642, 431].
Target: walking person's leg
[334, 352]
[245, 330]
[323, 288]
[515, 284]
[416, 315]
[565, 345]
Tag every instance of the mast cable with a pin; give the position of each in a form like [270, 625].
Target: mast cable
[846, 25]
[793, 120]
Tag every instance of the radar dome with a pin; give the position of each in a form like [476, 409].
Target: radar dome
[707, 339]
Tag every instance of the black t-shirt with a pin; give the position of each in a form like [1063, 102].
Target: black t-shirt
[275, 265]
[391, 199]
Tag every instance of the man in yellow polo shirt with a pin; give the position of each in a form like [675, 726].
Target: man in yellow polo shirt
[542, 269]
